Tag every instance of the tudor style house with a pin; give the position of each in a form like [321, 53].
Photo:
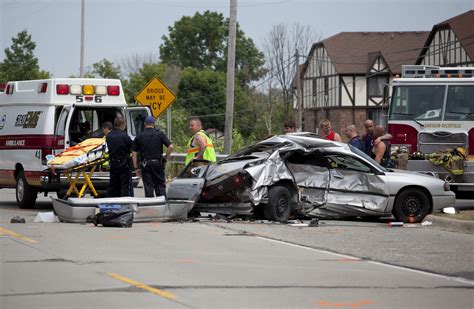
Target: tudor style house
[344, 75]
[450, 43]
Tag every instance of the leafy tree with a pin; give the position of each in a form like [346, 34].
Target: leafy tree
[202, 93]
[20, 62]
[106, 69]
[200, 42]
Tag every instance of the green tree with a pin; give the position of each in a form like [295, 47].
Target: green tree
[202, 93]
[200, 42]
[20, 62]
[106, 69]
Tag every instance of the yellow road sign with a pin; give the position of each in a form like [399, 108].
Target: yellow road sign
[156, 95]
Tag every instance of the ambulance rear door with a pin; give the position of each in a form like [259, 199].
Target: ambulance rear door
[135, 119]
[61, 134]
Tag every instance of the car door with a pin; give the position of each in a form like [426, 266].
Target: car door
[188, 185]
[355, 187]
[311, 175]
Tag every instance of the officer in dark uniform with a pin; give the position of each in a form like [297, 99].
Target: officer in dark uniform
[119, 145]
[149, 144]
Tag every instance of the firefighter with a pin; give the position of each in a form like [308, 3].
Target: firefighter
[119, 145]
[149, 144]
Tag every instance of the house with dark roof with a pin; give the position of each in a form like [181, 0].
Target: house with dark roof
[344, 75]
[450, 43]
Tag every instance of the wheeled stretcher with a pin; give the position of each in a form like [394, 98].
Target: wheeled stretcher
[79, 163]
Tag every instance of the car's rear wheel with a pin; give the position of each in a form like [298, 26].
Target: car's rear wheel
[25, 194]
[279, 204]
[411, 206]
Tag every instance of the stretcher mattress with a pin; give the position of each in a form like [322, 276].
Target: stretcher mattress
[87, 151]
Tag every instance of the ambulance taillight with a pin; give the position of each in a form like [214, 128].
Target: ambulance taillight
[42, 87]
[62, 89]
[113, 90]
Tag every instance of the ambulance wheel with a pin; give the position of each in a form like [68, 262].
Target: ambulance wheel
[25, 194]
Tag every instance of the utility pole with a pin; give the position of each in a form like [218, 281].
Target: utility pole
[229, 107]
[299, 94]
[83, 8]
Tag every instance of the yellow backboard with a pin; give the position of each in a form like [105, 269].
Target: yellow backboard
[156, 95]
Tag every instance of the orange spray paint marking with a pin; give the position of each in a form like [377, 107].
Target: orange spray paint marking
[349, 260]
[356, 304]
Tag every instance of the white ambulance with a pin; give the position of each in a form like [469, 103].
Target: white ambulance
[42, 117]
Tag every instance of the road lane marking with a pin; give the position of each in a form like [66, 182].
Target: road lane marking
[143, 286]
[457, 279]
[16, 235]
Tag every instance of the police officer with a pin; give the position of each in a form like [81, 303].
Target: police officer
[200, 144]
[119, 145]
[149, 144]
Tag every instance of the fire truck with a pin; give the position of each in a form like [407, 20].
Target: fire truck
[432, 109]
[44, 117]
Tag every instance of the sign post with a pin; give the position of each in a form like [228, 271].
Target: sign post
[156, 95]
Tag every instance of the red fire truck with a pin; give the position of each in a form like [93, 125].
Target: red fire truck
[431, 109]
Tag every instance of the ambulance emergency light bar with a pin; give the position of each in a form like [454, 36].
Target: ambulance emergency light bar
[424, 71]
[65, 89]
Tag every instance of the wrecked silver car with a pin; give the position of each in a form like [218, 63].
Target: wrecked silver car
[301, 174]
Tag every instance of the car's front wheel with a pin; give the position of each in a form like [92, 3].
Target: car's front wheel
[411, 206]
[279, 204]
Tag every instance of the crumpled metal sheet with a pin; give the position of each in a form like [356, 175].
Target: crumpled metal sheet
[313, 183]
[271, 171]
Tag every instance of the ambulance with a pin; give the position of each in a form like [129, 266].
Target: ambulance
[44, 117]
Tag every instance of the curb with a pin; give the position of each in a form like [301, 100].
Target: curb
[461, 226]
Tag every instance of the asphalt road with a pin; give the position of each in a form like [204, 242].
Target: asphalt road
[214, 264]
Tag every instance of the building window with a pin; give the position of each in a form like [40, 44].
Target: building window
[376, 85]
[326, 86]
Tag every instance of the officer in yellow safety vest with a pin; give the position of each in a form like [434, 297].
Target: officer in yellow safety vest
[200, 145]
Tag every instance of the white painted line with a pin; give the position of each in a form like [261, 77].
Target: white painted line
[457, 279]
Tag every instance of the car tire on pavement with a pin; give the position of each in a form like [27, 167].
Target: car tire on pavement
[411, 206]
[279, 204]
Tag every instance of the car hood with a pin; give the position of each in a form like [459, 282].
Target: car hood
[398, 179]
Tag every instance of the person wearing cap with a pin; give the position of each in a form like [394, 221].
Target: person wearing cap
[149, 144]
[200, 144]
[119, 145]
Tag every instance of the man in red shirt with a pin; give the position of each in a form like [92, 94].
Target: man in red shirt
[327, 132]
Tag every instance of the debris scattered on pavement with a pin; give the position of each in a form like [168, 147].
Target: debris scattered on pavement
[46, 217]
[450, 210]
[314, 222]
[17, 219]
[426, 223]
[390, 224]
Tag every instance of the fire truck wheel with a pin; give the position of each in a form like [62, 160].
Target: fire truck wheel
[25, 194]
[411, 206]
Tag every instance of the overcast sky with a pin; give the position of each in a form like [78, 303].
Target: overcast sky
[117, 29]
